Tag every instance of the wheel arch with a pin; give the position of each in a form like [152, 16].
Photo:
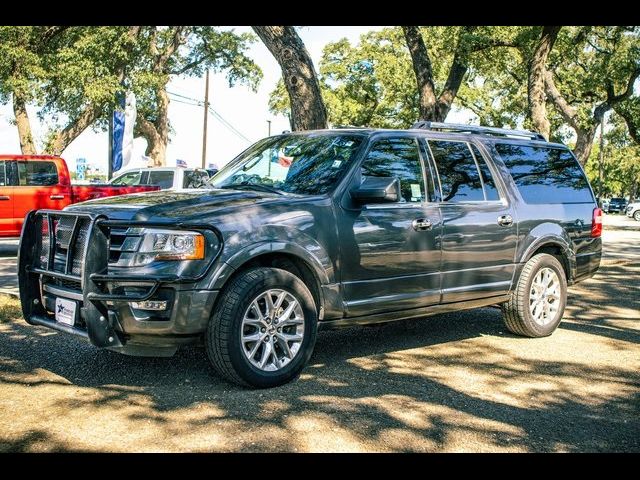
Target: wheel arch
[290, 257]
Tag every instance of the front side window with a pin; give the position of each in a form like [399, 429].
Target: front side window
[308, 164]
[397, 157]
[130, 178]
[37, 173]
[162, 178]
[459, 175]
[545, 174]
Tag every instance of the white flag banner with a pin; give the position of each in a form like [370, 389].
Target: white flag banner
[129, 122]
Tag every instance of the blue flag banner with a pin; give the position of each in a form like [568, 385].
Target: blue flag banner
[118, 135]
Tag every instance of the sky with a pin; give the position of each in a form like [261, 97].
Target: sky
[244, 109]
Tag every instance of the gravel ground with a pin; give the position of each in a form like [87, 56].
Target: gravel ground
[451, 383]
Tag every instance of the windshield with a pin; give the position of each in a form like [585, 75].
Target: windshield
[303, 164]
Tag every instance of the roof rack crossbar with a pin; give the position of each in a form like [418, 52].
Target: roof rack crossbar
[459, 127]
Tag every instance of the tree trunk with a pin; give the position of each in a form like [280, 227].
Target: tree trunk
[27, 147]
[424, 73]
[63, 138]
[431, 107]
[584, 143]
[535, 80]
[156, 133]
[307, 108]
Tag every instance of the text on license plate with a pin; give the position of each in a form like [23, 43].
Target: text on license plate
[65, 311]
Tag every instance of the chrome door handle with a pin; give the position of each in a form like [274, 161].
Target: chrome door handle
[56, 197]
[5, 197]
[421, 224]
[505, 220]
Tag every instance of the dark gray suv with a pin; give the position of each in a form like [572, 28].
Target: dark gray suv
[315, 230]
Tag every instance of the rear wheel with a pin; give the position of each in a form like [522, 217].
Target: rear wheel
[637, 215]
[264, 330]
[538, 301]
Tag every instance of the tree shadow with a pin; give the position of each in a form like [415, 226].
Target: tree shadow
[450, 382]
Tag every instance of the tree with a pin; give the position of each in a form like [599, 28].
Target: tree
[594, 71]
[432, 107]
[537, 68]
[621, 166]
[182, 50]
[73, 73]
[308, 111]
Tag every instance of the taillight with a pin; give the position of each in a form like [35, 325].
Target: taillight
[596, 222]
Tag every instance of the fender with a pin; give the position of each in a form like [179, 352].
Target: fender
[543, 235]
[323, 270]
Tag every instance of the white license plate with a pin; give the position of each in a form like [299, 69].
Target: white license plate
[65, 311]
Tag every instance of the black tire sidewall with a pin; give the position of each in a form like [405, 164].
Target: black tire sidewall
[545, 261]
[280, 279]
[636, 215]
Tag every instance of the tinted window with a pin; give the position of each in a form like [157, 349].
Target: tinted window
[397, 157]
[37, 173]
[545, 175]
[490, 190]
[164, 179]
[459, 176]
[3, 174]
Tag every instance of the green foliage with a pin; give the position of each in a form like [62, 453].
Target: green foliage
[621, 165]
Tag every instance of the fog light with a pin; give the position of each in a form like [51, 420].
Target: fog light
[150, 305]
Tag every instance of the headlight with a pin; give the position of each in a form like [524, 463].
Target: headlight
[168, 245]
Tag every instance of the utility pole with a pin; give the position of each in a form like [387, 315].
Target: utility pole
[206, 116]
[601, 161]
[110, 159]
[268, 128]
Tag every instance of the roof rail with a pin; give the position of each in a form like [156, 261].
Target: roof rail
[458, 127]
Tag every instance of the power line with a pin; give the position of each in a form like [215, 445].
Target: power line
[199, 103]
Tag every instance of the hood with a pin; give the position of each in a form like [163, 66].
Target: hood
[167, 204]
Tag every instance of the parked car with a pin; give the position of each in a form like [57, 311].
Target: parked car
[617, 205]
[633, 211]
[320, 229]
[212, 171]
[29, 182]
[164, 177]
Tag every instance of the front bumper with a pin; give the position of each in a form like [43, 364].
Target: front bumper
[81, 273]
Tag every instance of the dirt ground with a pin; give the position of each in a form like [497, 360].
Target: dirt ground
[457, 382]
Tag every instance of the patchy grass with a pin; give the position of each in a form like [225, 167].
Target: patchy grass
[9, 308]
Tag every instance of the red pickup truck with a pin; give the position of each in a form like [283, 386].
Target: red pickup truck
[29, 182]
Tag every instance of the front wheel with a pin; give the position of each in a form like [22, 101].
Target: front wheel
[538, 301]
[636, 215]
[264, 329]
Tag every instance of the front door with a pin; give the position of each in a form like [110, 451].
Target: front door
[390, 252]
[7, 223]
[479, 225]
[39, 186]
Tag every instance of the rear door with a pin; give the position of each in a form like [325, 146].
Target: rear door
[479, 234]
[39, 186]
[7, 221]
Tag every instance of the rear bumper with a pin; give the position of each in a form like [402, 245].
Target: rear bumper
[105, 316]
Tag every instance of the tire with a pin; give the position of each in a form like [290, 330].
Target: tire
[517, 312]
[636, 215]
[225, 347]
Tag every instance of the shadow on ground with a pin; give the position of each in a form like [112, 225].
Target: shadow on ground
[451, 382]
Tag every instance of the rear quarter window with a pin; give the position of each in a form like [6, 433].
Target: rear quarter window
[545, 174]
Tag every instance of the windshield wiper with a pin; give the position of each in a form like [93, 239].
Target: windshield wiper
[253, 186]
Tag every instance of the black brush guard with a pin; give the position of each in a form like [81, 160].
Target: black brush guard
[100, 321]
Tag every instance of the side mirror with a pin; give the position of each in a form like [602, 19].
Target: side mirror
[377, 190]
